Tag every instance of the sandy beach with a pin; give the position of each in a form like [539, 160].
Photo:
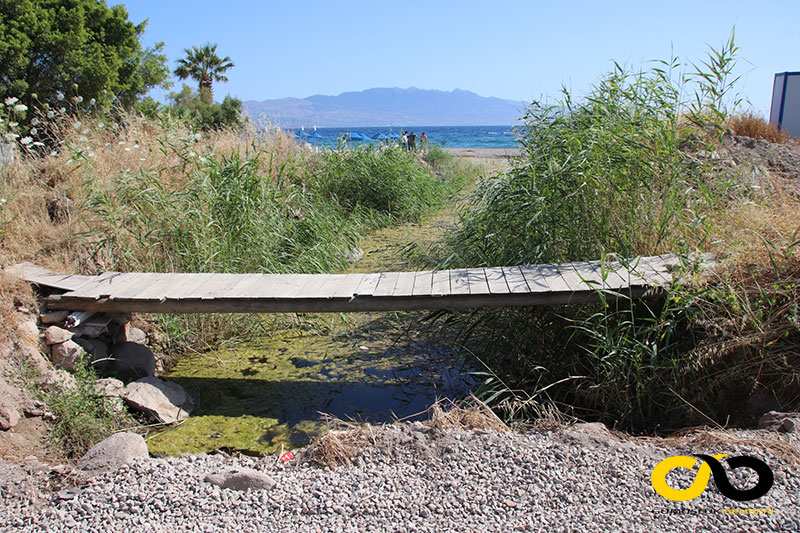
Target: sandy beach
[484, 153]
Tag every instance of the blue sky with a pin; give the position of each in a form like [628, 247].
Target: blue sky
[519, 50]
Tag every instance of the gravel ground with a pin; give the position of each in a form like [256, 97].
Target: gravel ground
[414, 478]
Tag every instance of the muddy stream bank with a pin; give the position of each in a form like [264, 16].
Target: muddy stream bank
[275, 391]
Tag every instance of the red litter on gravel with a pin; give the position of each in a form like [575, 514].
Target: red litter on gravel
[288, 456]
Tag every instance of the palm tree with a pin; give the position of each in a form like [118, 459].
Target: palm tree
[204, 65]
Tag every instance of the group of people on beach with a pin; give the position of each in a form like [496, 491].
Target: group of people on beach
[409, 141]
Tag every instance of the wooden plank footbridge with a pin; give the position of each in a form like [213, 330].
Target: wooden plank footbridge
[549, 284]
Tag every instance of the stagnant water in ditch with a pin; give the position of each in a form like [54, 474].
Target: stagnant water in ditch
[275, 392]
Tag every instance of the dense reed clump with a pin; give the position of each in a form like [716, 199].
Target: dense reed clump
[753, 125]
[635, 169]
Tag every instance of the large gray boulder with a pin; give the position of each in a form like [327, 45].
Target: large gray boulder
[241, 479]
[163, 400]
[115, 451]
[130, 360]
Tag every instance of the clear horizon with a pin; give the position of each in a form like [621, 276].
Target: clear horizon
[517, 51]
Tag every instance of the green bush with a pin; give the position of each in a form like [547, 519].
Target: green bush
[389, 181]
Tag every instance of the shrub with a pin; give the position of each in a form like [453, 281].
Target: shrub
[752, 125]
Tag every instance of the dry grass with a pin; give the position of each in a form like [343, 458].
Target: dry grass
[752, 125]
[470, 413]
[344, 439]
[715, 439]
[43, 214]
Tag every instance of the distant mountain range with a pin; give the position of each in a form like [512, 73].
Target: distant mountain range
[386, 107]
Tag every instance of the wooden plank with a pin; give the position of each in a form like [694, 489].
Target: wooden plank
[348, 287]
[117, 284]
[553, 278]
[328, 305]
[43, 277]
[331, 285]
[478, 284]
[441, 283]
[159, 283]
[534, 278]
[496, 280]
[459, 281]
[624, 270]
[219, 285]
[612, 280]
[91, 288]
[368, 284]
[644, 267]
[137, 286]
[386, 284]
[243, 287]
[423, 283]
[280, 289]
[313, 287]
[588, 274]
[185, 291]
[405, 284]
[515, 280]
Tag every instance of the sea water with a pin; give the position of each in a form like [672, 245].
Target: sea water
[444, 136]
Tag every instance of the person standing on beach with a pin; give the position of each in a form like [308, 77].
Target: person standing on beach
[423, 141]
[405, 140]
[412, 141]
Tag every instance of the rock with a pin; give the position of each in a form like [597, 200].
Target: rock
[132, 361]
[115, 451]
[12, 404]
[66, 354]
[241, 479]
[57, 379]
[782, 422]
[132, 334]
[112, 390]
[164, 400]
[28, 331]
[354, 255]
[53, 317]
[56, 335]
[94, 347]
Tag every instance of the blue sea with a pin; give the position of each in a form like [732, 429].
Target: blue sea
[445, 136]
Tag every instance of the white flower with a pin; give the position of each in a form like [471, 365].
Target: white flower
[91, 154]
[35, 122]
[197, 136]
[54, 154]
[37, 143]
[101, 125]
[59, 96]
[108, 144]
[136, 146]
[115, 126]
[85, 131]
[11, 136]
[3, 201]
[13, 124]
[121, 143]
[77, 125]
[26, 140]
[127, 149]
[79, 99]
[20, 108]
[34, 131]
[11, 100]
[83, 139]
[62, 110]
[51, 114]
[92, 101]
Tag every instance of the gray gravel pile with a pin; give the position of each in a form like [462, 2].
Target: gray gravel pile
[414, 478]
